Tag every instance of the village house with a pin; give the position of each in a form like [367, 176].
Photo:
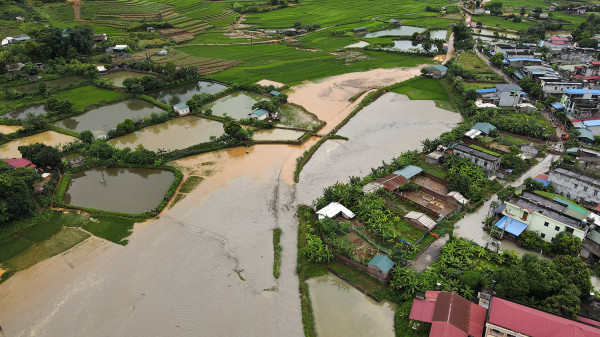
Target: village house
[181, 109]
[99, 38]
[574, 55]
[581, 102]
[161, 52]
[437, 71]
[118, 49]
[592, 124]
[380, 266]
[11, 68]
[20, 162]
[543, 16]
[260, 114]
[533, 212]
[510, 319]
[552, 86]
[396, 22]
[589, 72]
[575, 185]
[479, 158]
[150, 30]
[508, 94]
[479, 11]
[449, 314]
[101, 70]
[579, 10]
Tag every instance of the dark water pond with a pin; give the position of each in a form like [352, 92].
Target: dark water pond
[183, 92]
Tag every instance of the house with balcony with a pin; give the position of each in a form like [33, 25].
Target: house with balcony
[533, 212]
[580, 101]
[574, 184]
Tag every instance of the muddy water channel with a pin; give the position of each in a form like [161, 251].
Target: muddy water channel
[237, 105]
[178, 133]
[11, 149]
[183, 92]
[118, 189]
[103, 119]
[341, 310]
[59, 82]
[277, 134]
[120, 76]
[20, 113]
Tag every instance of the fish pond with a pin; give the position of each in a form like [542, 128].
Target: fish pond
[439, 34]
[400, 31]
[489, 32]
[118, 77]
[20, 113]
[126, 190]
[277, 134]
[181, 93]
[341, 310]
[178, 133]
[105, 118]
[59, 82]
[406, 45]
[236, 105]
[51, 138]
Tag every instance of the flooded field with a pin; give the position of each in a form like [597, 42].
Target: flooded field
[102, 119]
[59, 82]
[277, 134]
[10, 149]
[237, 105]
[439, 34]
[406, 45]
[178, 133]
[489, 32]
[400, 31]
[20, 113]
[120, 76]
[183, 92]
[6, 129]
[360, 44]
[341, 310]
[118, 189]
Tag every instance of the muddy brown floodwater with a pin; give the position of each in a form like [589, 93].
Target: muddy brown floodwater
[237, 105]
[11, 149]
[205, 266]
[6, 129]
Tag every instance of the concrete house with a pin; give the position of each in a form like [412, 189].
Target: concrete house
[571, 55]
[543, 16]
[437, 72]
[150, 29]
[162, 52]
[259, 114]
[579, 10]
[533, 212]
[554, 87]
[508, 94]
[577, 101]
[381, 266]
[484, 160]
[181, 109]
[575, 185]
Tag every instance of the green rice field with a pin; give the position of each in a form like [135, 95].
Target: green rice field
[89, 95]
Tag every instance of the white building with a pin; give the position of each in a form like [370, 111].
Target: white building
[334, 209]
[259, 114]
[575, 185]
[181, 109]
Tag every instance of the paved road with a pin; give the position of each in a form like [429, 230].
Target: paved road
[450, 51]
[430, 254]
[493, 67]
[471, 226]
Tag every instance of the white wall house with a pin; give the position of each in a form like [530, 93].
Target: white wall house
[259, 114]
[181, 109]
[575, 185]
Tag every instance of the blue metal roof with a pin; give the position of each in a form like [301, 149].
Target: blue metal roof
[585, 133]
[439, 67]
[409, 171]
[545, 182]
[382, 262]
[260, 112]
[558, 106]
[485, 91]
[360, 28]
[582, 91]
[181, 106]
[513, 226]
[275, 93]
[592, 122]
[22, 38]
[484, 127]
[525, 59]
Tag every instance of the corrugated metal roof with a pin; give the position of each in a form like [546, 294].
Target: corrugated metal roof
[334, 209]
[454, 316]
[582, 91]
[181, 106]
[421, 218]
[484, 127]
[392, 182]
[508, 87]
[513, 226]
[585, 133]
[19, 162]
[422, 311]
[382, 262]
[558, 106]
[409, 171]
[275, 93]
[259, 112]
[439, 67]
[484, 91]
[536, 323]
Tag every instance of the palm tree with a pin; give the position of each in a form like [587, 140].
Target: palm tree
[467, 292]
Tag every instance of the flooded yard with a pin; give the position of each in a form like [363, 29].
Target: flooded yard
[59, 82]
[237, 105]
[178, 133]
[6, 129]
[11, 149]
[277, 134]
[118, 77]
[124, 190]
[102, 119]
[341, 310]
[400, 31]
[20, 113]
[183, 92]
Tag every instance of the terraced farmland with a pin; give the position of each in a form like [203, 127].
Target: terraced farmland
[206, 65]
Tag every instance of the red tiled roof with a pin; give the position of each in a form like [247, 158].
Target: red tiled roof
[586, 119]
[595, 63]
[578, 67]
[542, 177]
[556, 38]
[392, 182]
[451, 316]
[536, 323]
[589, 321]
[19, 162]
[597, 208]
[558, 42]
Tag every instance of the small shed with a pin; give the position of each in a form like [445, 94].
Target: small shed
[420, 220]
[101, 69]
[259, 114]
[334, 209]
[485, 128]
[99, 37]
[150, 29]
[381, 266]
[543, 16]
[409, 171]
[161, 52]
[181, 109]
[359, 30]
[434, 158]
[585, 135]
[275, 93]
[458, 197]
[437, 72]
[119, 48]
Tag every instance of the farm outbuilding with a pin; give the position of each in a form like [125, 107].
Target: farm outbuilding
[437, 72]
[334, 209]
[420, 221]
[381, 266]
[150, 29]
[275, 93]
[359, 30]
[181, 109]
[161, 52]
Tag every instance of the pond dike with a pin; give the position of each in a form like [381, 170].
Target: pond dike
[357, 287]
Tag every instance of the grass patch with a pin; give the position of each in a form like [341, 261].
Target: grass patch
[472, 62]
[111, 229]
[190, 184]
[89, 95]
[277, 252]
[479, 85]
[177, 199]
[422, 89]
[61, 242]
[70, 219]
[485, 150]
[363, 280]
[13, 247]
[437, 171]
[294, 117]
[514, 140]
[41, 231]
